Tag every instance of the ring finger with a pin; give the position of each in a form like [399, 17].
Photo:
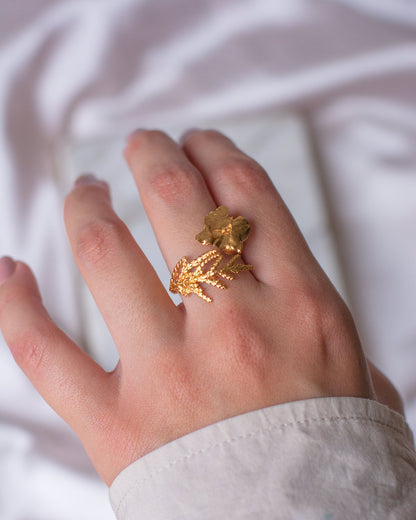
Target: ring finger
[243, 186]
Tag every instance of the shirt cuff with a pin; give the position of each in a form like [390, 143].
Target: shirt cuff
[336, 457]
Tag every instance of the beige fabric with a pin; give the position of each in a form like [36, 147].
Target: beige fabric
[319, 459]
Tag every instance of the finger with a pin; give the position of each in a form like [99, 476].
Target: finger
[173, 192]
[128, 292]
[386, 392]
[67, 378]
[236, 180]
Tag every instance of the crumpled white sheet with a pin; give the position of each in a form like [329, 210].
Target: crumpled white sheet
[79, 70]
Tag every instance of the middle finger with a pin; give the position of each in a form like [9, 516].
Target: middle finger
[173, 192]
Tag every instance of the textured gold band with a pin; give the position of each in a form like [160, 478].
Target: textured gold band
[227, 234]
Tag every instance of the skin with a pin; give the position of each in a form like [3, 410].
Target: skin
[278, 334]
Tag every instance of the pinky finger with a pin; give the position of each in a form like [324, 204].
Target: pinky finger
[66, 377]
[386, 392]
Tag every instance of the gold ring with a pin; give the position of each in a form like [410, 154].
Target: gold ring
[227, 234]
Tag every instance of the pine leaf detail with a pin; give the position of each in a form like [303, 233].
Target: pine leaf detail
[187, 277]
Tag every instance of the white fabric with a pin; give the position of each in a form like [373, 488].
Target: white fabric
[83, 70]
[332, 458]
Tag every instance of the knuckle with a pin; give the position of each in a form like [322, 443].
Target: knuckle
[30, 351]
[307, 304]
[97, 240]
[322, 316]
[308, 309]
[246, 348]
[244, 174]
[173, 184]
[304, 297]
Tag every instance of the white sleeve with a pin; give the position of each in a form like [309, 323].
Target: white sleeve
[330, 458]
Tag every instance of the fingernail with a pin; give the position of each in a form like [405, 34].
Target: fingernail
[7, 267]
[135, 132]
[89, 179]
[187, 134]
[86, 179]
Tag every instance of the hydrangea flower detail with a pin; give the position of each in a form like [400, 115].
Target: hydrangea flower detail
[224, 232]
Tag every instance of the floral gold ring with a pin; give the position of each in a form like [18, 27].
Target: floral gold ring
[227, 235]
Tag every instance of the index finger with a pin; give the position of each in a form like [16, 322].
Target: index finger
[127, 290]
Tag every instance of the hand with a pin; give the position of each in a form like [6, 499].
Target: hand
[279, 333]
